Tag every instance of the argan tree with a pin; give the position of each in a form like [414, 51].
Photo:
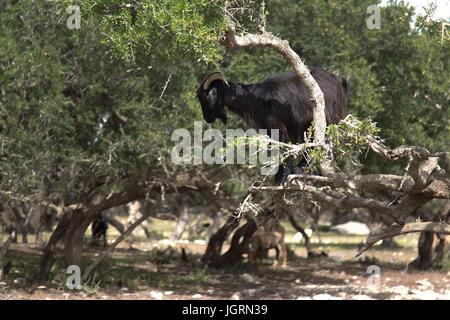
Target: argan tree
[86, 115]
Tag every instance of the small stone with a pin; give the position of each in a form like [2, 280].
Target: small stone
[157, 295]
[19, 281]
[248, 278]
[424, 283]
[298, 237]
[197, 296]
[236, 296]
[402, 290]
[427, 295]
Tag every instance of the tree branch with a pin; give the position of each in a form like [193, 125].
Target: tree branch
[404, 229]
[267, 39]
[122, 237]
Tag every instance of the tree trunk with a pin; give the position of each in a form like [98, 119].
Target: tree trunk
[304, 234]
[217, 222]
[4, 250]
[181, 224]
[48, 258]
[428, 254]
[238, 245]
[215, 244]
[424, 259]
[73, 238]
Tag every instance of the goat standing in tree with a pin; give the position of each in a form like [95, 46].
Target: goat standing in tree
[279, 102]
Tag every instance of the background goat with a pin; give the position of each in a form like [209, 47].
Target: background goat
[99, 229]
[264, 239]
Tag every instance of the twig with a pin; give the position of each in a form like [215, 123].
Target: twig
[165, 86]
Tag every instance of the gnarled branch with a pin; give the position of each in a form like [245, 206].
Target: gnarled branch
[404, 229]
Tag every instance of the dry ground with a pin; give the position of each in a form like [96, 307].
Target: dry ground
[154, 270]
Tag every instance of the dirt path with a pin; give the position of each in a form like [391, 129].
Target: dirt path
[155, 271]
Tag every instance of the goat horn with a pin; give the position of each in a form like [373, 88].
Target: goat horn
[213, 77]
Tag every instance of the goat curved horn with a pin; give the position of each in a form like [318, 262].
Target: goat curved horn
[213, 77]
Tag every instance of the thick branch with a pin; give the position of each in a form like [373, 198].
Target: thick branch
[404, 229]
[402, 151]
[332, 198]
[266, 39]
[369, 182]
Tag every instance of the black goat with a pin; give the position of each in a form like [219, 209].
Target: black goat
[278, 102]
[99, 229]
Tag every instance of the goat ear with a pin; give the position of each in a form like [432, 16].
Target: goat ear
[223, 117]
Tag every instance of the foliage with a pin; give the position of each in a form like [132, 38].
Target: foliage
[102, 101]
[70, 108]
[349, 139]
[162, 31]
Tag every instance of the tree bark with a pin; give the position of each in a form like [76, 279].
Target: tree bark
[239, 243]
[299, 228]
[214, 249]
[266, 39]
[4, 250]
[424, 259]
[217, 222]
[48, 258]
[181, 223]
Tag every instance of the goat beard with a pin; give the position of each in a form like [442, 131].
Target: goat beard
[223, 117]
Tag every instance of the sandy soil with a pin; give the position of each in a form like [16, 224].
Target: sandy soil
[154, 270]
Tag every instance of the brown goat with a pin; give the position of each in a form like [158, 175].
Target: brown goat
[264, 239]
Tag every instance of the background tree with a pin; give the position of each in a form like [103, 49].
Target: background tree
[86, 115]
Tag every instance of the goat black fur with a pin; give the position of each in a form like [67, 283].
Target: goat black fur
[278, 102]
[99, 230]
